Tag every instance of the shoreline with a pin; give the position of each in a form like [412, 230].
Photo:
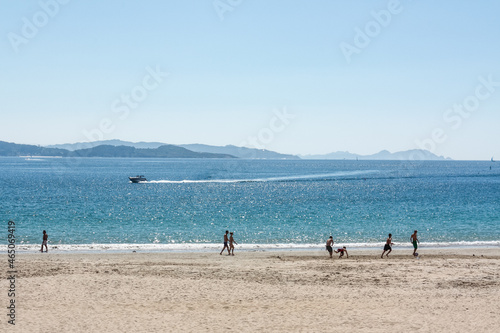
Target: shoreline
[210, 247]
[306, 254]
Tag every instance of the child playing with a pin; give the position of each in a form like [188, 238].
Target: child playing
[341, 251]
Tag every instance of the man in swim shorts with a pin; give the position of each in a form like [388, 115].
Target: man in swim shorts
[341, 251]
[226, 246]
[387, 246]
[44, 241]
[329, 244]
[415, 241]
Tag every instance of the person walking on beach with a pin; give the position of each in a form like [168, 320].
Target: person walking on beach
[415, 241]
[44, 242]
[329, 244]
[341, 251]
[387, 246]
[231, 243]
[226, 246]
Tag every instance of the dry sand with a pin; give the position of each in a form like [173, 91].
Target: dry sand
[286, 291]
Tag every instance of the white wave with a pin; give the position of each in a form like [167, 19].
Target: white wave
[200, 247]
[269, 179]
[186, 181]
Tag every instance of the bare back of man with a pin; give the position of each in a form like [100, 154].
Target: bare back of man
[329, 244]
[414, 240]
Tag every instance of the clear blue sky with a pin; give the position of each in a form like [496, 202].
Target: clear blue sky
[230, 71]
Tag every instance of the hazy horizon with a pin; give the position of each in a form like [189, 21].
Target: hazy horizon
[223, 145]
[85, 145]
[297, 78]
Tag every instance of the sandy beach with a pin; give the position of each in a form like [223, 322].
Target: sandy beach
[453, 290]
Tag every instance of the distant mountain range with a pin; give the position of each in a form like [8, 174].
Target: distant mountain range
[86, 145]
[414, 154]
[164, 151]
[14, 149]
[118, 148]
[239, 152]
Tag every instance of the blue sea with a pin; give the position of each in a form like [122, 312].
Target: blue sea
[187, 204]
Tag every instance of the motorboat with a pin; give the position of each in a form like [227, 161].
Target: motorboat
[137, 179]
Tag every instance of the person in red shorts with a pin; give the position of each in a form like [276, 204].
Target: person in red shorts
[341, 251]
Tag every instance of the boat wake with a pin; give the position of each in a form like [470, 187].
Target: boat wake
[324, 176]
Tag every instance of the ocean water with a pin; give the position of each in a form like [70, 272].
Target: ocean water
[187, 204]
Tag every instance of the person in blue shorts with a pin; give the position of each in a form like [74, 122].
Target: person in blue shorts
[226, 245]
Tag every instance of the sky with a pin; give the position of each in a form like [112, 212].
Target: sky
[297, 77]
